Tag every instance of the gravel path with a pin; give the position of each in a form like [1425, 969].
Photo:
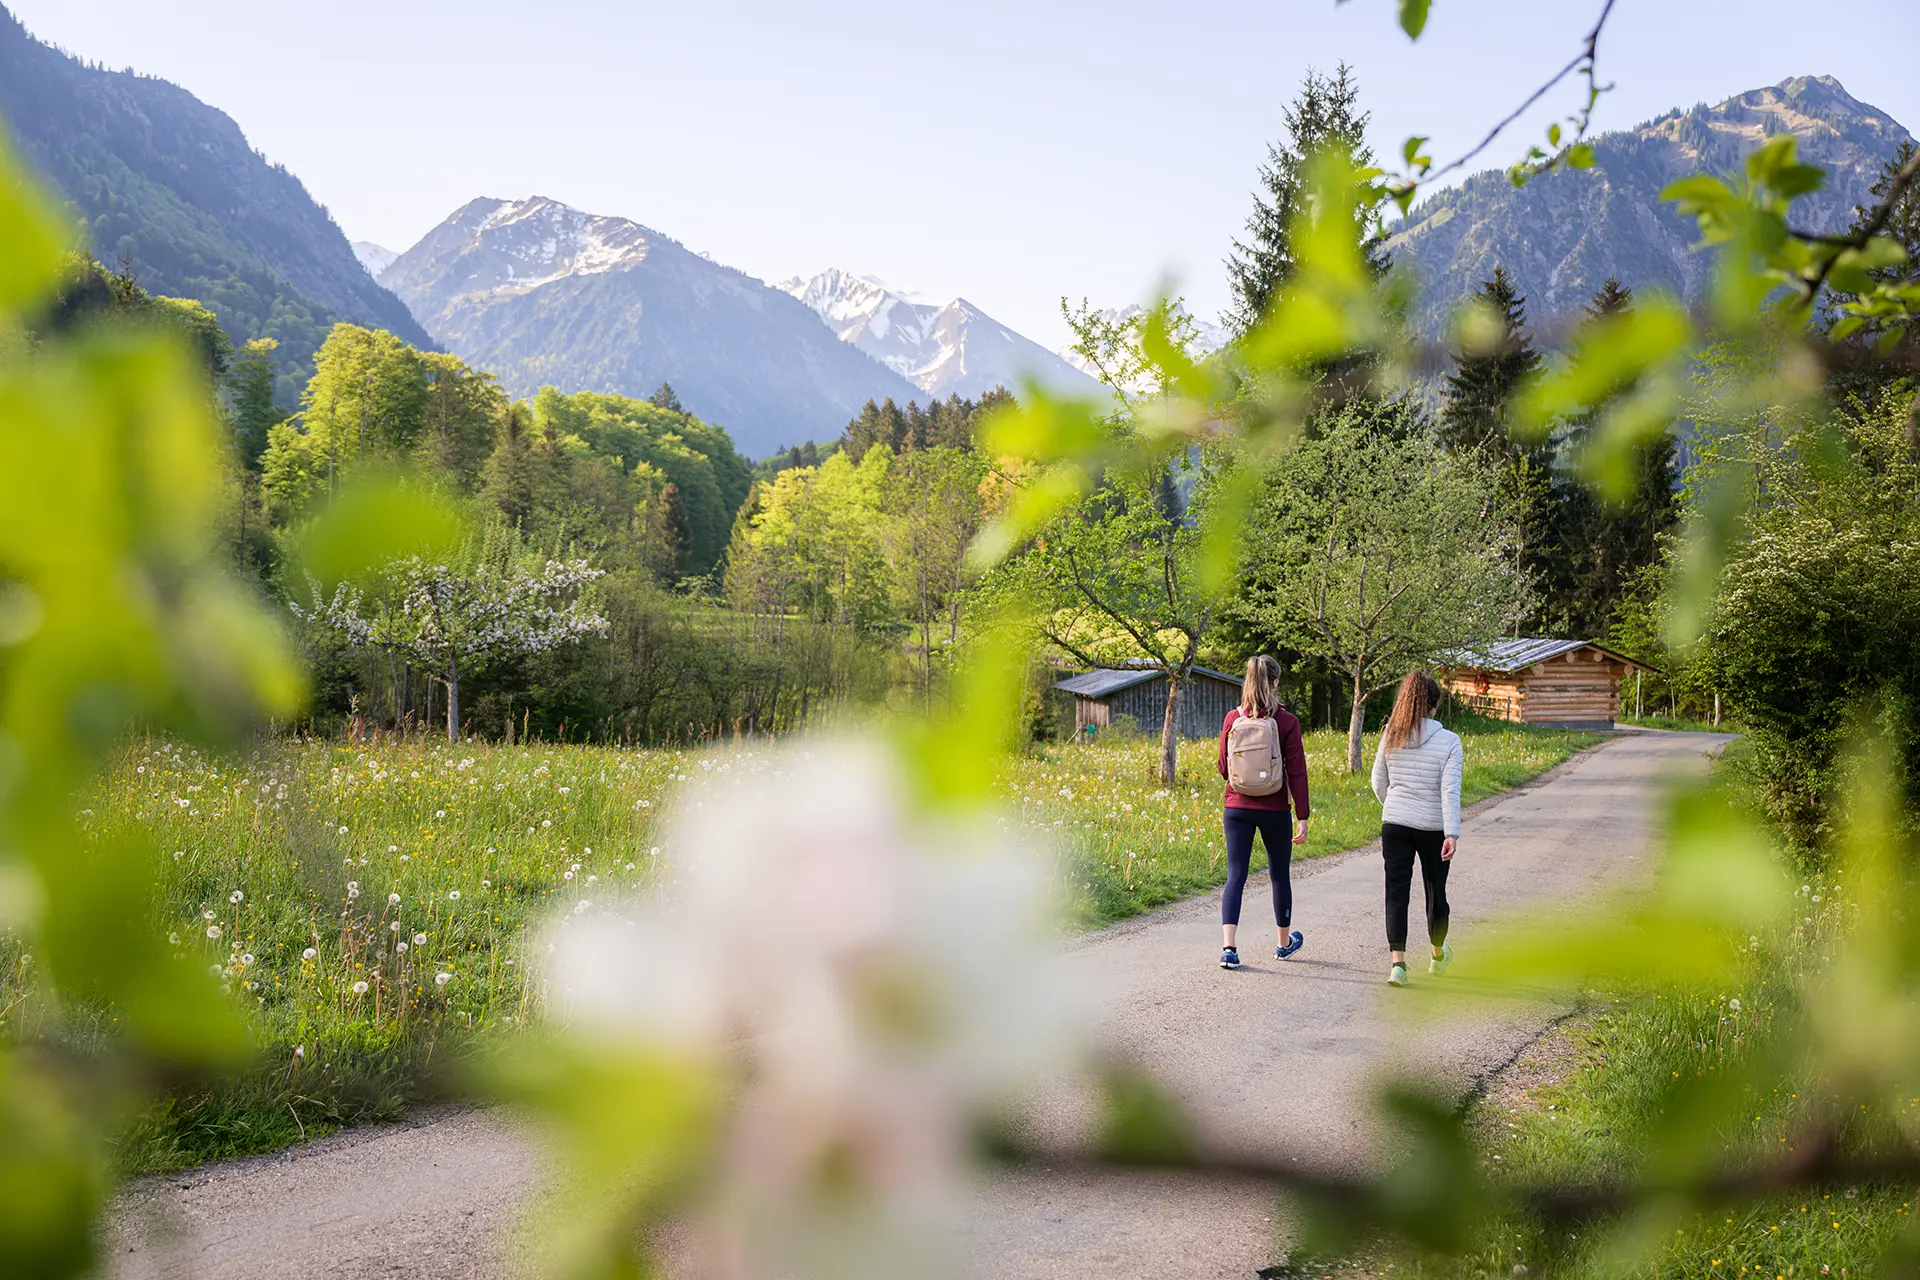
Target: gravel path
[1275, 1059]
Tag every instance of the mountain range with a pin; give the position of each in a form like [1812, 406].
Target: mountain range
[540, 293]
[169, 186]
[943, 348]
[1563, 233]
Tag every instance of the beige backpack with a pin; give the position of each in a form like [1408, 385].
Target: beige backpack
[1254, 767]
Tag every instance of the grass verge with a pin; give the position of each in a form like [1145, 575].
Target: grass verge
[1588, 1102]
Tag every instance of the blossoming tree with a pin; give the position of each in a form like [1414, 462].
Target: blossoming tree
[452, 618]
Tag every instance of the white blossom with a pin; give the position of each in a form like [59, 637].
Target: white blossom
[840, 912]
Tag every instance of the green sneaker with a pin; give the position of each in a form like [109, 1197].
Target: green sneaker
[1440, 962]
[1397, 976]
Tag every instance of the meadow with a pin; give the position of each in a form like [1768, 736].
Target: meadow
[376, 904]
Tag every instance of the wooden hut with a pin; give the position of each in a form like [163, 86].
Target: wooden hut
[1571, 684]
[1102, 696]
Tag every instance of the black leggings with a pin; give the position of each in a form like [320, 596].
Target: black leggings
[1398, 845]
[1276, 833]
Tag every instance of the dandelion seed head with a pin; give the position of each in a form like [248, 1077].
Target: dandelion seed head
[442, 979]
[213, 931]
[360, 988]
[308, 954]
[419, 939]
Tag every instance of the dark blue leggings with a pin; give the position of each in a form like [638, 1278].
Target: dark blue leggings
[1276, 833]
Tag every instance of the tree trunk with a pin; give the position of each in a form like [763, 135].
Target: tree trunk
[1169, 728]
[1356, 720]
[453, 700]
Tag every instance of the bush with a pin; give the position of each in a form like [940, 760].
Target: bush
[1814, 629]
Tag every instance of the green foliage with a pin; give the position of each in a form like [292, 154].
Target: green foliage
[89, 294]
[1600, 536]
[115, 611]
[1813, 626]
[1371, 549]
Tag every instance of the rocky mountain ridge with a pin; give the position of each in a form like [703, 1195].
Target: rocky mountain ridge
[542, 294]
[1563, 233]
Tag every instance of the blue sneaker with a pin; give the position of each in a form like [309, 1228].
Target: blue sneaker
[1295, 941]
[1229, 958]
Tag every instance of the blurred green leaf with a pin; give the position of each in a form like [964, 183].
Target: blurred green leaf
[51, 1180]
[634, 1128]
[1141, 1122]
[31, 239]
[372, 522]
[1413, 17]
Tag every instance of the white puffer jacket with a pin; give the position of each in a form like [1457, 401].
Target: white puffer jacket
[1418, 786]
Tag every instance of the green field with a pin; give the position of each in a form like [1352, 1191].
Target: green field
[374, 904]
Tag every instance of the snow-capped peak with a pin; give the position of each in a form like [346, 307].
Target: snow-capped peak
[943, 347]
[375, 258]
[528, 243]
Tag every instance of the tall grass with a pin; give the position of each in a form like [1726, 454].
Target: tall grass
[374, 905]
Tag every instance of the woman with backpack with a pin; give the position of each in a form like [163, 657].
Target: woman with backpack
[1416, 778]
[1262, 760]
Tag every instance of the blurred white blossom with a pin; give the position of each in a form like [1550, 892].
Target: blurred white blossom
[880, 982]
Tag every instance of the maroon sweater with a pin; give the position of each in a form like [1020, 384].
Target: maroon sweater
[1292, 754]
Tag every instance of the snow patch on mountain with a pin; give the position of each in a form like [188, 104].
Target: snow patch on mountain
[375, 258]
[943, 347]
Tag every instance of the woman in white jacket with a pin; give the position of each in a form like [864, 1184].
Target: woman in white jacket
[1416, 778]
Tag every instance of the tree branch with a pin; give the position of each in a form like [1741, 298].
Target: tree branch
[1585, 60]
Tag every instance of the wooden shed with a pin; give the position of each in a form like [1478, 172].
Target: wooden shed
[1571, 684]
[1102, 696]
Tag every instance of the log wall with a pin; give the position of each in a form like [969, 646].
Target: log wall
[1578, 688]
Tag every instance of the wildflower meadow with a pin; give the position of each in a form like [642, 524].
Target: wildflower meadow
[374, 903]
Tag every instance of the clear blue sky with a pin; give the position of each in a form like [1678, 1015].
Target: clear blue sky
[1007, 152]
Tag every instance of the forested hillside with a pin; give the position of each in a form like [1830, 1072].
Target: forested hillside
[169, 188]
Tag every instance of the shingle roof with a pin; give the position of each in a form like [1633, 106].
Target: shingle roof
[1109, 680]
[1513, 655]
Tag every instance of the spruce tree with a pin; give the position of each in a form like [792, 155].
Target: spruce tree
[509, 482]
[664, 397]
[1486, 376]
[1598, 549]
[1325, 114]
[250, 387]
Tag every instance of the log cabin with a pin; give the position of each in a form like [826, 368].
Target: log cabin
[1569, 684]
